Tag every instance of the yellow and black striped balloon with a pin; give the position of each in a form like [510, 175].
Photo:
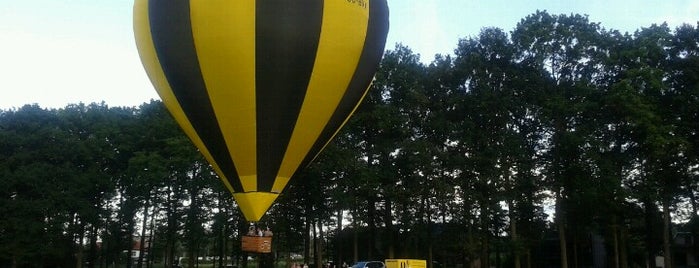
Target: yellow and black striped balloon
[260, 86]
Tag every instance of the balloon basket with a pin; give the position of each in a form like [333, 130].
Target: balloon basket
[257, 244]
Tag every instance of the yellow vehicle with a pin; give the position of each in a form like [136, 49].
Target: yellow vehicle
[405, 263]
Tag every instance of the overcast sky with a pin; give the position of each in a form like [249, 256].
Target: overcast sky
[56, 52]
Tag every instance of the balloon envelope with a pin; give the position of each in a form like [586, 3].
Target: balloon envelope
[260, 86]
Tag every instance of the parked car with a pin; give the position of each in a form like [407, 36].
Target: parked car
[369, 264]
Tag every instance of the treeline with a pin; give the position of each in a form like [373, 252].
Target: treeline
[559, 144]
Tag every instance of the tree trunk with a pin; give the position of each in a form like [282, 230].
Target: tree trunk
[485, 236]
[575, 250]
[355, 243]
[104, 256]
[221, 245]
[93, 246]
[306, 241]
[316, 247]
[371, 215]
[497, 253]
[623, 253]
[222, 238]
[225, 240]
[142, 241]
[320, 245]
[560, 222]
[339, 257]
[471, 256]
[190, 258]
[388, 220]
[129, 262]
[648, 214]
[562, 244]
[484, 256]
[693, 201]
[514, 236]
[666, 234]
[616, 245]
[171, 209]
[79, 254]
[430, 243]
[244, 260]
[168, 256]
[152, 238]
[430, 256]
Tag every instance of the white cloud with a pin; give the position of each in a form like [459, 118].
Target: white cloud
[59, 52]
[430, 33]
[418, 25]
[55, 71]
[689, 14]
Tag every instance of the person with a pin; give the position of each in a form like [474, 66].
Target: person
[268, 232]
[251, 231]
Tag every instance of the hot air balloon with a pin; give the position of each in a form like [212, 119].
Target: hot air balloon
[260, 86]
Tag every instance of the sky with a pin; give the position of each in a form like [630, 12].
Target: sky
[54, 53]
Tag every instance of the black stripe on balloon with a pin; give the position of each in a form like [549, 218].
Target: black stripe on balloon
[171, 29]
[372, 52]
[286, 39]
